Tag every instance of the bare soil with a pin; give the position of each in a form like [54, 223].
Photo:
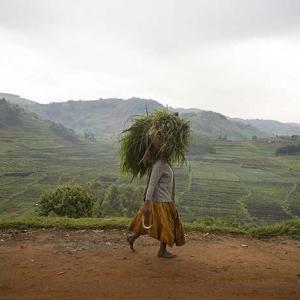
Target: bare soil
[97, 264]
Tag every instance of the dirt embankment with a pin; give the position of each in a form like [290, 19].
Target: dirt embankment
[97, 264]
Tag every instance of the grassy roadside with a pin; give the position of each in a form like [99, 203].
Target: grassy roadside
[289, 228]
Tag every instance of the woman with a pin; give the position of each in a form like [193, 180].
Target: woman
[159, 210]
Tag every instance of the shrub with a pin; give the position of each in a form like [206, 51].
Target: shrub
[70, 201]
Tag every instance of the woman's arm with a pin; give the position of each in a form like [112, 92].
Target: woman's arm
[154, 178]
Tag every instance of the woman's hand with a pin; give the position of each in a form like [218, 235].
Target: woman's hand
[146, 207]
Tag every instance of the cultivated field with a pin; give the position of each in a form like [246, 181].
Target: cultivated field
[244, 180]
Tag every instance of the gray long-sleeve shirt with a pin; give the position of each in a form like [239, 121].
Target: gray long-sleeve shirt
[160, 187]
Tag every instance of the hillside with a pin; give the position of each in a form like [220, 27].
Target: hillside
[103, 117]
[212, 124]
[272, 127]
[108, 117]
[20, 129]
[36, 154]
[15, 99]
[243, 180]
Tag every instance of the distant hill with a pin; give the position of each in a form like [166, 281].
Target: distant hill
[103, 117]
[209, 123]
[108, 117]
[15, 99]
[272, 127]
[22, 129]
[188, 110]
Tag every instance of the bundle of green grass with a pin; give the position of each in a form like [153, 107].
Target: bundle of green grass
[142, 143]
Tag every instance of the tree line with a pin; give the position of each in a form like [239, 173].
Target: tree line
[91, 200]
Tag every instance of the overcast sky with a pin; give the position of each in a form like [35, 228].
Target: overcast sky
[237, 57]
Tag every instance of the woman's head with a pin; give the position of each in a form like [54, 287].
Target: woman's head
[163, 155]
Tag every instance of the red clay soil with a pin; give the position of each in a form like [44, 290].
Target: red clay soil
[97, 264]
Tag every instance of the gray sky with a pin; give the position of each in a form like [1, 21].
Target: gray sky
[237, 57]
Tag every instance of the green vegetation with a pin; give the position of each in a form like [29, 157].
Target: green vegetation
[9, 114]
[200, 146]
[240, 179]
[67, 201]
[148, 136]
[289, 228]
[66, 133]
[77, 201]
[289, 150]
[26, 222]
[121, 200]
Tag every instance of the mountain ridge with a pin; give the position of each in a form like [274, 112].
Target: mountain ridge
[109, 116]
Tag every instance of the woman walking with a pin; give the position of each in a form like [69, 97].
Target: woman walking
[159, 210]
[164, 140]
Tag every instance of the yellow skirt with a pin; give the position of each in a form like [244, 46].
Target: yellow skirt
[165, 221]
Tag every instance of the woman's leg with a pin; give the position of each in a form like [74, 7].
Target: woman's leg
[131, 237]
[163, 251]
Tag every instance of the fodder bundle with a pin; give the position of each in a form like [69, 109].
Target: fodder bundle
[142, 143]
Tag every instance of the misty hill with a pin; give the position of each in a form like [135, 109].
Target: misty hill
[20, 129]
[108, 117]
[210, 123]
[15, 99]
[103, 117]
[272, 127]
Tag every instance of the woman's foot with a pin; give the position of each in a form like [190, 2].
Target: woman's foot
[165, 254]
[163, 251]
[131, 237]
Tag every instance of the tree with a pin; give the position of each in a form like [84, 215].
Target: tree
[122, 200]
[97, 190]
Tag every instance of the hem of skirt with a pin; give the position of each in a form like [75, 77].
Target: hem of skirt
[178, 244]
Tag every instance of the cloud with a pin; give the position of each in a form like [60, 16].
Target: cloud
[220, 55]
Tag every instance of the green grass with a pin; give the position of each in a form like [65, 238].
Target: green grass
[290, 229]
[244, 179]
[25, 222]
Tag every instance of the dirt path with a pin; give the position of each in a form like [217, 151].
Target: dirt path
[93, 264]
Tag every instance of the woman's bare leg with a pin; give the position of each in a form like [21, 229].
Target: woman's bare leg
[163, 251]
[131, 237]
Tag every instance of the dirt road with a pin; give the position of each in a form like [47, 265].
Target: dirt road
[97, 264]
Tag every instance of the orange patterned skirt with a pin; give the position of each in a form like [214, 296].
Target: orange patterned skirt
[165, 221]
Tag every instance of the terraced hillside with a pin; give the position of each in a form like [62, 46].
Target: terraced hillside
[34, 159]
[244, 180]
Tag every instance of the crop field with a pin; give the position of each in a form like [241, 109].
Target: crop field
[243, 180]
[27, 174]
